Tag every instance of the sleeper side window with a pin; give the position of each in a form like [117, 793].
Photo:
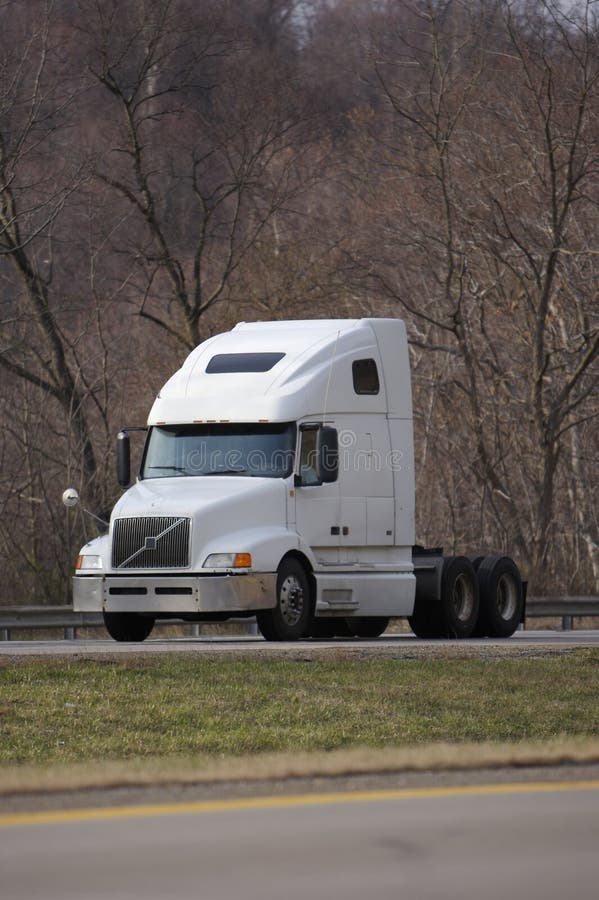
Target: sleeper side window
[366, 376]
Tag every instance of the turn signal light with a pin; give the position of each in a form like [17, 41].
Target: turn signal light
[228, 561]
[242, 561]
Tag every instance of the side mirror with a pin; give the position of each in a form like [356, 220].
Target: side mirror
[123, 458]
[70, 497]
[328, 454]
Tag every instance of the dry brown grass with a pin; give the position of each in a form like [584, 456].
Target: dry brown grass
[355, 761]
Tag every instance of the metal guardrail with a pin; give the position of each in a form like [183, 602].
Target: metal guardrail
[563, 606]
[13, 618]
[31, 617]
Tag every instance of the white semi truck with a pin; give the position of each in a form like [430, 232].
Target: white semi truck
[277, 481]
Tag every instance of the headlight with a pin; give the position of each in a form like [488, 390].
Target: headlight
[85, 561]
[228, 561]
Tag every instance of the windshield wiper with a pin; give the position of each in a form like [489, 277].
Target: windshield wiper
[170, 469]
[239, 471]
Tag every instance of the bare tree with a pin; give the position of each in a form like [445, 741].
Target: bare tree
[35, 98]
[495, 168]
[202, 160]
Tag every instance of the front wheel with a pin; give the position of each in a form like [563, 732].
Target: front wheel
[291, 618]
[128, 626]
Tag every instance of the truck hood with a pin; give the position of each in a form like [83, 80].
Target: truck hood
[196, 496]
[224, 509]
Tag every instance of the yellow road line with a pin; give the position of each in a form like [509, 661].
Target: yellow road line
[297, 800]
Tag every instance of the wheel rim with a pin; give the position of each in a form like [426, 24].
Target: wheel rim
[291, 600]
[462, 598]
[507, 597]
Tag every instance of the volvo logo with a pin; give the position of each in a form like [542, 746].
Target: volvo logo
[150, 543]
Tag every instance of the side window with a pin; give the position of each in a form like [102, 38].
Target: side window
[366, 376]
[308, 458]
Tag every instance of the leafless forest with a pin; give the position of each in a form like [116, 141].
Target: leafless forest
[170, 167]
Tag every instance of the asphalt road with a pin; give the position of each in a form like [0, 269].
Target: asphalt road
[534, 840]
[386, 645]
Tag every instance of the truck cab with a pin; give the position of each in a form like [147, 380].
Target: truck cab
[277, 481]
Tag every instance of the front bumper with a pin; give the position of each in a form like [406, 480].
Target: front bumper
[175, 594]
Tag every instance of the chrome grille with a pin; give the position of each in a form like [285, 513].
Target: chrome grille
[151, 542]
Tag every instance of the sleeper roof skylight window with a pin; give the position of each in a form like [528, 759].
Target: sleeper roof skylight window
[242, 362]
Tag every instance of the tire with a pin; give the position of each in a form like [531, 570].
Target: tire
[478, 628]
[424, 620]
[291, 619]
[459, 598]
[501, 597]
[128, 626]
[367, 626]
[455, 613]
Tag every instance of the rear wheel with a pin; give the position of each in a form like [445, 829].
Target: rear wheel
[501, 597]
[291, 618]
[454, 614]
[425, 620]
[128, 626]
[459, 598]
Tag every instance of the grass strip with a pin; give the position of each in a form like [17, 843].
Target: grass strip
[194, 714]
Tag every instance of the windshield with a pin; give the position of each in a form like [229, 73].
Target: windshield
[258, 450]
